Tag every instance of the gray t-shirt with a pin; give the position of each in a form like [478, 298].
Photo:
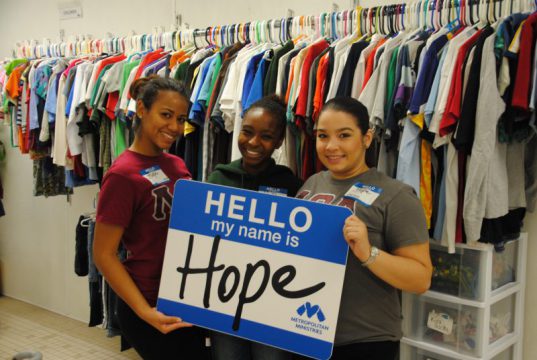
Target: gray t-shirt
[370, 308]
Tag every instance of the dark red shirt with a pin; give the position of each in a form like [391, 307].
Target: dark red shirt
[453, 106]
[521, 90]
[130, 200]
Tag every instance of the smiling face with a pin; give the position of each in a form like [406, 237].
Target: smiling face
[340, 144]
[260, 135]
[161, 124]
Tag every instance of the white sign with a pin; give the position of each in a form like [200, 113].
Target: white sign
[71, 12]
[258, 266]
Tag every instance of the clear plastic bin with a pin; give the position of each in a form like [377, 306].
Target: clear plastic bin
[413, 353]
[502, 318]
[457, 274]
[452, 326]
[504, 265]
[508, 354]
[463, 274]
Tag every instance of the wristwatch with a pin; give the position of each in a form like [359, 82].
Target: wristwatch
[372, 256]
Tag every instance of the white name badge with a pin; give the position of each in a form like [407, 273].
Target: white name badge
[155, 175]
[364, 194]
[273, 190]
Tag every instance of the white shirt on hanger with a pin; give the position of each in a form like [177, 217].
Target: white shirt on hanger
[59, 150]
[445, 83]
[359, 72]
[341, 52]
[486, 192]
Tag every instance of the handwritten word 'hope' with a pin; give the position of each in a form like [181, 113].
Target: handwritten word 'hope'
[280, 279]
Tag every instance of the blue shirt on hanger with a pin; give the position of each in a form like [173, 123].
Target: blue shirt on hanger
[256, 90]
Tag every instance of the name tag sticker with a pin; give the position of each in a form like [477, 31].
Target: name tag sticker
[364, 194]
[273, 190]
[155, 175]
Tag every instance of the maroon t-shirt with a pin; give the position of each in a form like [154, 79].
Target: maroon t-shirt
[136, 194]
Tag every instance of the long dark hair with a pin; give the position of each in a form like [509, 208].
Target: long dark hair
[352, 107]
[146, 89]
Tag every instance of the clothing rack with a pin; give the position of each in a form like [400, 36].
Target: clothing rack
[386, 19]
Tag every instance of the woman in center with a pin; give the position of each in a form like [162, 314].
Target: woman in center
[387, 234]
[262, 132]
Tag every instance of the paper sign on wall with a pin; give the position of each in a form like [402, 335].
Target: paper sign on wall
[258, 266]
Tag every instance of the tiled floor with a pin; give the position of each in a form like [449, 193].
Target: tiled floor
[24, 327]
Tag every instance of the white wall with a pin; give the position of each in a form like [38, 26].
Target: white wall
[37, 234]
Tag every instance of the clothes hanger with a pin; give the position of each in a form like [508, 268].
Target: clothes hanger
[263, 32]
[409, 12]
[310, 27]
[257, 32]
[498, 14]
[231, 31]
[448, 12]
[389, 26]
[241, 37]
[462, 12]
[435, 13]
[418, 14]
[316, 26]
[430, 17]
[217, 37]
[363, 21]
[389, 20]
[378, 11]
[224, 35]
[359, 12]
[393, 18]
[382, 20]
[483, 13]
[438, 7]
[344, 15]
[266, 32]
[470, 10]
[269, 31]
[281, 32]
[425, 5]
[372, 20]
[400, 17]
[353, 23]
[253, 33]
[212, 35]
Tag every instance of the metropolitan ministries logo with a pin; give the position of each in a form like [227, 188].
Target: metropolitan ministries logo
[310, 318]
[311, 311]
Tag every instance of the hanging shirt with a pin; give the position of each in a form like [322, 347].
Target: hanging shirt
[453, 105]
[523, 74]
[347, 75]
[486, 183]
[256, 90]
[251, 70]
[313, 51]
[427, 74]
[269, 87]
[464, 135]
[445, 82]
[359, 72]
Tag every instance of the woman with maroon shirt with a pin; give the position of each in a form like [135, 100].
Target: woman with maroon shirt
[134, 209]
